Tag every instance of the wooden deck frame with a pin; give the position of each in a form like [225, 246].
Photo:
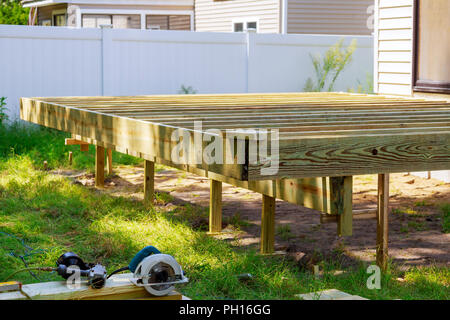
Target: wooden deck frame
[268, 225]
[215, 207]
[382, 221]
[321, 136]
[149, 182]
[99, 166]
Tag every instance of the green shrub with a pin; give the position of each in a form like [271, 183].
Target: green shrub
[3, 115]
[327, 68]
[12, 12]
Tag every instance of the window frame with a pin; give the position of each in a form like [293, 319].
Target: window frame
[245, 22]
[417, 84]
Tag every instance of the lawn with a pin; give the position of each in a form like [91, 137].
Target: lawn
[43, 215]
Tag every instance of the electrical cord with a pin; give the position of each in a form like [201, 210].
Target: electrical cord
[118, 270]
[28, 269]
[28, 252]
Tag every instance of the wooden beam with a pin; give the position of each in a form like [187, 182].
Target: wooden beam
[382, 220]
[268, 225]
[149, 182]
[109, 167]
[84, 146]
[215, 206]
[333, 155]
[99, 166]
[320, 134]
[71, 142]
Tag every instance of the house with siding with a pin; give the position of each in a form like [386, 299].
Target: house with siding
[342, 17]
[346, 17]
[412, 51]
[134, 14]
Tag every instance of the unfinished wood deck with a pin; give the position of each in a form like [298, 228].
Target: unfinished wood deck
[324, 139]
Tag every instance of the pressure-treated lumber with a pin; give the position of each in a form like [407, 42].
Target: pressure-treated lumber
[149, 182]
[84, 146]
[341, 203]
[71, 142]
[215, 206]
[118, 287]
[99, 166]
[382, 220]
[109, 168]
[268, 225]
[320, 134]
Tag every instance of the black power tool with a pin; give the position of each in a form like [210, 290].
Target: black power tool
[71, 264]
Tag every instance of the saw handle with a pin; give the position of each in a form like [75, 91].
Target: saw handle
[141, 255]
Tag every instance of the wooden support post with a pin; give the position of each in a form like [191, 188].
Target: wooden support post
[215, 206]
[99, 166]
[382, 220]
[149, 182]
[70, 157]
[345, 220]
[109, 161]
[268, 225]
[341, 192]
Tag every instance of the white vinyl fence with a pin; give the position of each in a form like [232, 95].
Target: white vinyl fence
[52, 61]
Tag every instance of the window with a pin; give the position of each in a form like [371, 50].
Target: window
[96, 20]
[251, 26]
[432, 46]
[245, 26]
[239, 27]
[121, 21]
[168, 22]
[59, 20]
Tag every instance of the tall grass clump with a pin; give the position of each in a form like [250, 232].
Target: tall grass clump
[327, 68]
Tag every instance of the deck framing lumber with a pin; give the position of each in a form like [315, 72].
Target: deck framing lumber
[382, 221]
[321, 134]
[268, 225]
[215, 207]
[99, 166]
[324, 139]
[109, 165]
[149, 182]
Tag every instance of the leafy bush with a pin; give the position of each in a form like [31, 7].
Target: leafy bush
[366, 87]
[187, 90]
[11, 12]
[3, 115]
[328, 68]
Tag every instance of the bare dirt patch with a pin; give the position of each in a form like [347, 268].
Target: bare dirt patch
[415, 231]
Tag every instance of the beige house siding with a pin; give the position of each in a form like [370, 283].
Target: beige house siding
[394, 47]
[329, 16]
[218, 16]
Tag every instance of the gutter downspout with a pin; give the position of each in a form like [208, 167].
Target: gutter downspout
[283, 16]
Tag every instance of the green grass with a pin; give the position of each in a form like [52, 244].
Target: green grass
[52, 215]
[43, 144]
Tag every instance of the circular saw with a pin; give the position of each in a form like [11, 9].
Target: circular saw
[158, 273]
